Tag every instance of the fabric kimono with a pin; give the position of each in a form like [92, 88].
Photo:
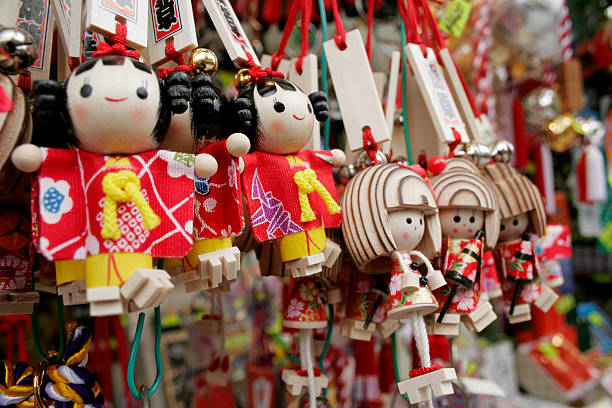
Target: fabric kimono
[520, 264]
[86, 204]
[290, 194]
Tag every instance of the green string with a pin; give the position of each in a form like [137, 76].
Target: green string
[396, 365]
[404, 93]
[62, 329]
[134, 352]
[326, 124]
[330, 331]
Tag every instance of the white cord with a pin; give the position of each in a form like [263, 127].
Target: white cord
[306, 356]
[419, 331]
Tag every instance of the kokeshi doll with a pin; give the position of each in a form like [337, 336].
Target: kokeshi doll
[114, 201]
[522, 216]
[391, 225]
[470, 224]
[290, 192]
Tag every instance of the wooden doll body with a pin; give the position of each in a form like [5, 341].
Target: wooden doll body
[115, 202]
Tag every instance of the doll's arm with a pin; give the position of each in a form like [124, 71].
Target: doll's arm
[27, 158]
[205, 165]
[434, 277]
[238, 144]
[339, 158]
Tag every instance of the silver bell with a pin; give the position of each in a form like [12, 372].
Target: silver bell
[502, 151]
[347, 172]
[478, 153]
[18, 50]
[363, 160]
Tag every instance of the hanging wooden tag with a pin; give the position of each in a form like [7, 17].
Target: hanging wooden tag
[232, 35]
[89, 39]
[308, 81]
[68, 20]
[9, 11]
[379, 80]
[392, 97]
[356, 91]
[103, 16]
[572, 93]
[63, 67]
[439, 112]
[170, 21]
[35, 17]
[283, 66]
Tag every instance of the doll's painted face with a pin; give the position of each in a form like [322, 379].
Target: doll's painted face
[407, 228]
[285, 116]
[114, 105]
[513, 227]
[461, 223]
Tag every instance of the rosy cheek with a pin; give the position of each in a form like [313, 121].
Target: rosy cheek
[139, 114]
[455, 230]
[405, 235]
[277, 127]
[470, 230]
[81, 113]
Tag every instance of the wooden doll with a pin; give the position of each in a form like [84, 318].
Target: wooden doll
[290, 192]
[522, 214]
[391, 224]
[470, 224]
[218, 213]
[114, 201]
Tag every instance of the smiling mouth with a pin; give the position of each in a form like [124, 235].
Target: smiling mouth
[298, 118]
[114, 100]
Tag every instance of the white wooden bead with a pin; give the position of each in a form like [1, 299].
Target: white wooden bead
[27, 158]
[205, 165]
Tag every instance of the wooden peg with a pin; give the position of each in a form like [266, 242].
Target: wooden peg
[418, 388]
[170, 21]
[394, 71]
[147, 287]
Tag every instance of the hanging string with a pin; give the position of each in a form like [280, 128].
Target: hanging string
[306, 354]
[119, 40]
[306, 17]
[396, 365]
[61, 324]
[330, 330]
[404, 93]
[371, 5]
[179, 59]
[134, 352]
[278, 56]
[326, 124]
[340, 36]
[369, 144]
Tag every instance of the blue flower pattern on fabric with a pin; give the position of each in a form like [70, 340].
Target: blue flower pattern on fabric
[52, 200]
[202, 186]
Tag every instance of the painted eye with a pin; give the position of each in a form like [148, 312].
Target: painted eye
[309, 108]
[457, 218]
[409, 220]
[421, 221]
[86, 90]
[472, 220]
[515, 222]
[503, 227]
[279, 107]
[142, 92]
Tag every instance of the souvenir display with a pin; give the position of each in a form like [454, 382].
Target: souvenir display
[360, 215]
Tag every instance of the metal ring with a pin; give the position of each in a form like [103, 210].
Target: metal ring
[145, 402]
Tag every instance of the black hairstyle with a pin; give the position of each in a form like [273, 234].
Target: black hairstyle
[51, 107]
[241, 115]
[207, 105]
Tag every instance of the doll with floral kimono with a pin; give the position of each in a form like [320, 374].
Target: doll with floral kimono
[114, 201]
[470, 224]
[523, 218]
[218, 212]
[397, 208]
[290, 192]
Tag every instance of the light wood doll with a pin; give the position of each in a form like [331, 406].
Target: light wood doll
[470, 224]
[114, 201]
[290, 192]
[522, 215]
[391, 224]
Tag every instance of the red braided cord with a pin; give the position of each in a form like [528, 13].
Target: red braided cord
[176, 57]
[25, 82]
[452, 146]
[291, 17]
[424, 370]
[371, 6]
[369, 144]
[304, 373]
[340, 37]
[411, 12]
[306, 16]
[118, 47]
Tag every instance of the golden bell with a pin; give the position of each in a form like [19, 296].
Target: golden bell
[559, 134]
[242, 78]
[203, 61]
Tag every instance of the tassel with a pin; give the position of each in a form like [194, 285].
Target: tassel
[596, 187]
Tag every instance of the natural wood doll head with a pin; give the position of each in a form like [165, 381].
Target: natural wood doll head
[466, 201]
[112, 105]
[386, 208]
[520, 203]
[276, 115]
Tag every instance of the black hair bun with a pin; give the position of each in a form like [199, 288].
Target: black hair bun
[177, 91]
[242, 113]
[49, 100]
[320, 105]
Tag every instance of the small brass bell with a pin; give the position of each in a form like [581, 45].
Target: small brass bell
[242, 78]
[560, 134]
[203, 61]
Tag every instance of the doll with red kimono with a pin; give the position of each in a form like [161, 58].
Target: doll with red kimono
[114, 202]
[523, 218]
[470, 224]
